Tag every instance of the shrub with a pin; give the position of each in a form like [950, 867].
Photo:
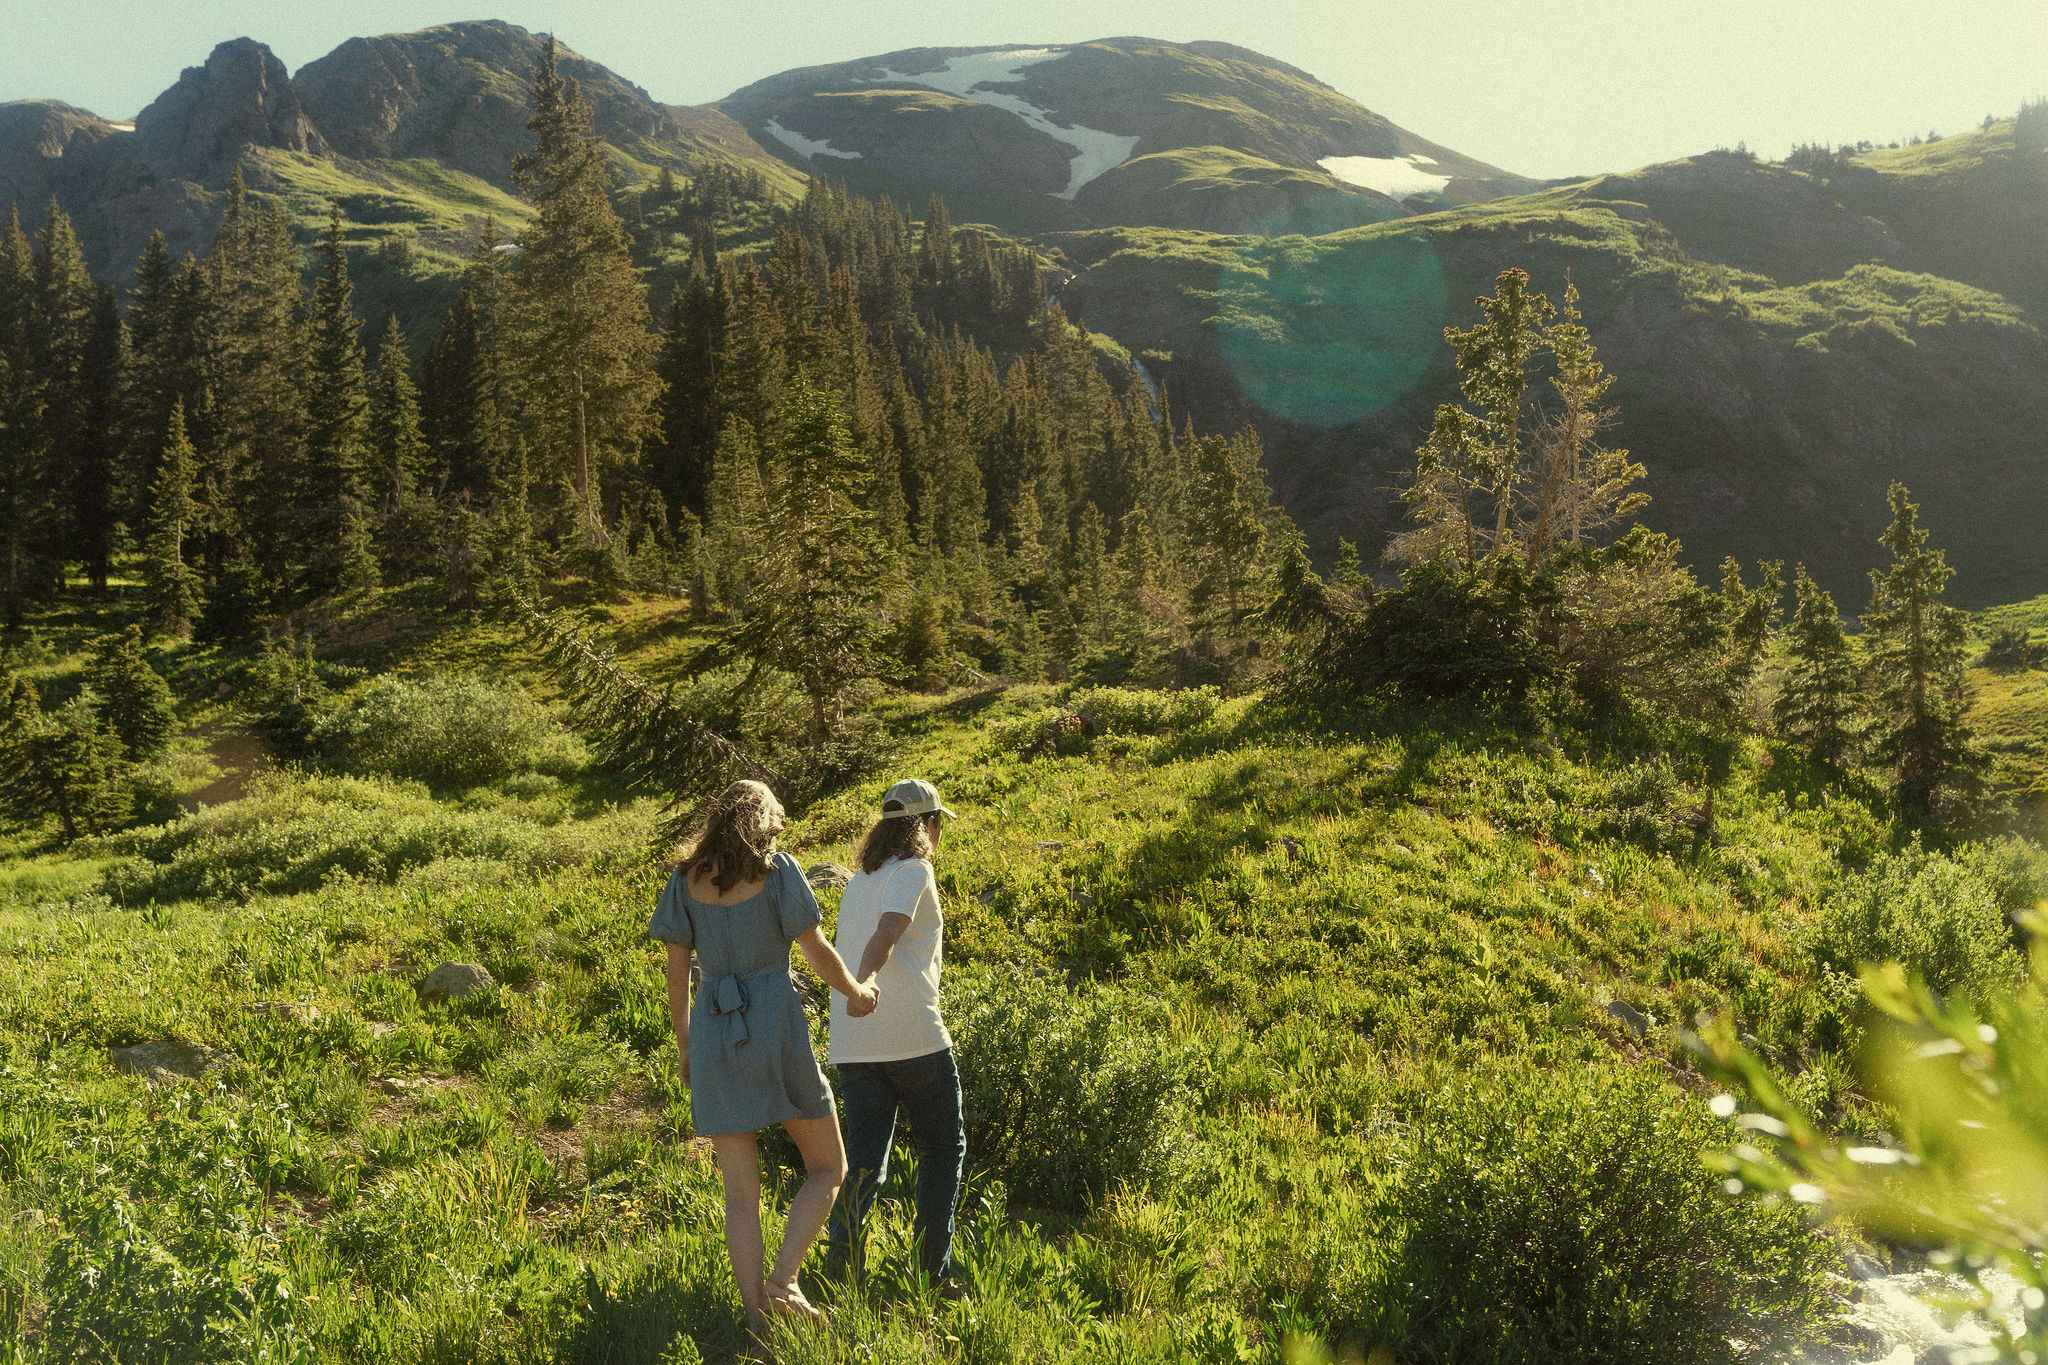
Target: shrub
[1093, 711]
[1069, 1094]
[447, 730]
[294, 833]
[1646, 805]
[1944, 918]
[2012, 648]
[1570, 1217]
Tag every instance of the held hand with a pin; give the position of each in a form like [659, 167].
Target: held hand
[862, 1004]
[683, 1065]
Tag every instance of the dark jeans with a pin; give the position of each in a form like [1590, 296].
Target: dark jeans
[925, 1091]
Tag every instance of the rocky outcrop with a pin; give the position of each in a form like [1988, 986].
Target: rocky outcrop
[458, 93]
[452, 981]
[167, 1060]
[241, 97]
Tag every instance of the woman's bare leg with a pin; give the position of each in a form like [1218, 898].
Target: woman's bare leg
[740, 1163]
[825, 1171]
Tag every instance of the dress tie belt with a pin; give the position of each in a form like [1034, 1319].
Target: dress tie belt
[727, 998]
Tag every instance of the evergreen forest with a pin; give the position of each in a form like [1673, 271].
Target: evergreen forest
[1519, 947]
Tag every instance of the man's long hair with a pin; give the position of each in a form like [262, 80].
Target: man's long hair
[737, 835]
[895, 836]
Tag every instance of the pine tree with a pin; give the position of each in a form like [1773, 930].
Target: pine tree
[254, 381]
[64, 764]
[28, 477]
[580, 307]
[936, 263]
[1818, 703]
[358, 577]
[131, 698]
[170, 586]
[337, 420]
[735, 532]
[679, 459]
[463, 403]
[61, 334]
[1918, 648]
[397, 449]
[26, 503]
[1227, 502]
[820, 589]
[97, 462]
[511, 535]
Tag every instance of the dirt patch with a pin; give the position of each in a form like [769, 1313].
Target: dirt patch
[240, 756]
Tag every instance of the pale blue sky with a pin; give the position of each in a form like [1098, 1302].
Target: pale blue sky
[1544, 87]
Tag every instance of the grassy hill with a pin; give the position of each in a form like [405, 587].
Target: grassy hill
[1223, 977]
[1783, 351]
[1197, 135]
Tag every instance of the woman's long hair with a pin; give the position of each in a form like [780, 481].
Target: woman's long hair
[895, 836]
[737, 835]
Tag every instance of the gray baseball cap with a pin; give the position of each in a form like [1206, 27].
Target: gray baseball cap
[917, 797]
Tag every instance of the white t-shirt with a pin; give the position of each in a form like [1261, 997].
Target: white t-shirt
[906, 1024]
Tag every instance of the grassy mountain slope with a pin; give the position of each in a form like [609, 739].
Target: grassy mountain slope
[1331, 917]
[414, 133]
[1782, 353]
[1240, 135]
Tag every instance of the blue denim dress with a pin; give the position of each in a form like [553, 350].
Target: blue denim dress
[751, 1063]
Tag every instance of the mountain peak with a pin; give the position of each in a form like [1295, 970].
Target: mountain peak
[458, 93]
[241, 97]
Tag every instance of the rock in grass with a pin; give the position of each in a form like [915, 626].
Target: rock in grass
[168, 1059]
[822, 875]
[1630, 1018]
[452, 981]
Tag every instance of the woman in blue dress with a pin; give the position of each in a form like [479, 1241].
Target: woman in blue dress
[737, 905]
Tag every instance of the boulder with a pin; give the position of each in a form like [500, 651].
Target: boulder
[823, 875]
[1630, 1018]
[169, 1059]
[452, 981]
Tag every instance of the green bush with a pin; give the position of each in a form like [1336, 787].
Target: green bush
[1944, 918]
[447, 730]
[294, 832]
[1646, 805]
[1133, 711]
[1094, 711]
[1569, 1217]
[1069, 1094]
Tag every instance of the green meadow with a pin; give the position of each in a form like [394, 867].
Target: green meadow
[1285, 1030]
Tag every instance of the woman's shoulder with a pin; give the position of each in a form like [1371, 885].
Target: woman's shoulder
[785, 863]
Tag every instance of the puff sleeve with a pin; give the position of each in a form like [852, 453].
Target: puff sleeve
[671, 922]
[795, 906]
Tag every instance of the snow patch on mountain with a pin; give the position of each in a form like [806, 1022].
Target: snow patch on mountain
[1095, 152]
[1397, 177]
[805, 146]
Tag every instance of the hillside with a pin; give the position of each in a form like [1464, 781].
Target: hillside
[412, 133]
[1789, 336]
[1339, 918]
[1128, 131]
[1788, 341]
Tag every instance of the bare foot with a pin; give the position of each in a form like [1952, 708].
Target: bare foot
[787, 1300]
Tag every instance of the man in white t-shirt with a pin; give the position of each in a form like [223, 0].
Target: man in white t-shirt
[897, 1061]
